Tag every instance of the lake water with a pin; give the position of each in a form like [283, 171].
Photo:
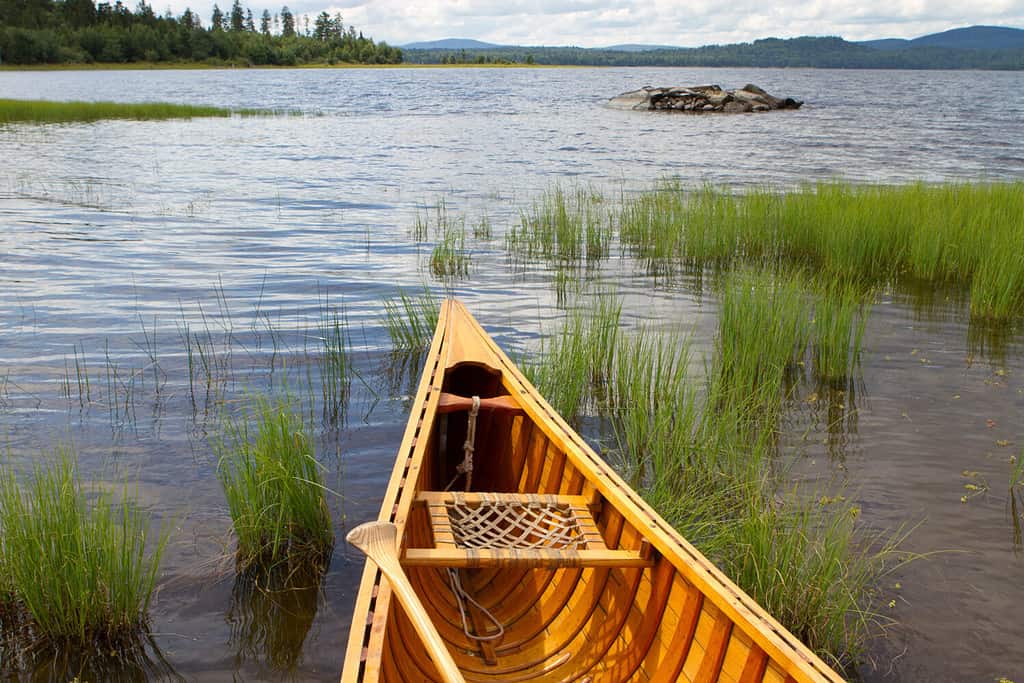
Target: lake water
[119, 240]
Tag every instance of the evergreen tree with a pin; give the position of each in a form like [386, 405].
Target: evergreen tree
[322, 26]
[188, 19]
[237, 17]
[217, 19]
[265, 23]
[250, 26]
[287, 22]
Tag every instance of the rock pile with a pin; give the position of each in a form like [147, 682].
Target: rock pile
[702, 98]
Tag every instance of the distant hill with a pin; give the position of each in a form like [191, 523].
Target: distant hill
[970, 38]
[1000, 51]
[452, 44]
[886, 43]
[975, 38]
[636, 47]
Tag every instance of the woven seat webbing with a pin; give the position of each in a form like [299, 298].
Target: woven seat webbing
[504, 525]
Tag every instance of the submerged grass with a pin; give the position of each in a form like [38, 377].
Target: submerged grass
[44, 111]
[81, 565]
[274, 488]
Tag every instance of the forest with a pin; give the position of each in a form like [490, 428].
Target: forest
[81, 32]
[814, 52]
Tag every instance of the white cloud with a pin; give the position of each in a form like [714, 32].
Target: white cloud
[593, 23]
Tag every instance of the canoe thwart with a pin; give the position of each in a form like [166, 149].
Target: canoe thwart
[516, 530]
[450, 403]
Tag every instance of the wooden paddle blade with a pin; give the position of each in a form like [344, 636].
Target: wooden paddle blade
[378, 540]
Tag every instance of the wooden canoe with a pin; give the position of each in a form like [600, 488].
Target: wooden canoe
[626, 598]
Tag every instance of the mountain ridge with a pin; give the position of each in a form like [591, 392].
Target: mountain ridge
[977, 37]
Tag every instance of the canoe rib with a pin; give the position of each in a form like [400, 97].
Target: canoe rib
[676, 617]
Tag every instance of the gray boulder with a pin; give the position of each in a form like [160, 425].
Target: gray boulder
[702, 98]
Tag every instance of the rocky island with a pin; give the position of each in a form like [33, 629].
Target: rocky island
[702, 98]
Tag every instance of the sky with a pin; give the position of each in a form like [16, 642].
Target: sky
[685, 23]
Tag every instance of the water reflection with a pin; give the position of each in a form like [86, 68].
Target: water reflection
[24, 657]
[271, 613]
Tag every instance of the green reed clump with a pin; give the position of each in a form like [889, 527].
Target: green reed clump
[43, 111]
[997, 288]
[449, 258]
[812, 567]
[763, 329]
[81, 564]
[563, 227]
[576, 359]
[335, 362]
[411, 320]
[654, 409]
[840, 316]
[274, 487]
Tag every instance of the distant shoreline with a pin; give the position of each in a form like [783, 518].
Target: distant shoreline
[194, 66]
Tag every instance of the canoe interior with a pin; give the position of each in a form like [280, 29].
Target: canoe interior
[560, 624]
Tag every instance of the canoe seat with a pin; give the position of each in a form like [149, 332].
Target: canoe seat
[516, 530]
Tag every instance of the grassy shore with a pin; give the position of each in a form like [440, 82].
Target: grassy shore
[45, 111]
[201, 66]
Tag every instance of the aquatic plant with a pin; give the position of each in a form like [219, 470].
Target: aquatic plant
[274, 487]
[449, 258]
[763, 329]
[81, 564]
[563, 227]
[44, 111]
[966, 234]
[812, 567]
[576, 358]
[411, 320]
[335, 363]
[840, 315]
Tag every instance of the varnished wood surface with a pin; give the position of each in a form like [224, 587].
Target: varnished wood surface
[671, 617]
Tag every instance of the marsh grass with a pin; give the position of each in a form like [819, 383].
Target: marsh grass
[564, 227]
[411, 319]
[962, 234]
[274, 487]
[711, 466]
[449, 259]
[43, 111]
[840, 317]
[763, 330]
[335, 362]
[575, 359]
[82, 565]
[812, 567]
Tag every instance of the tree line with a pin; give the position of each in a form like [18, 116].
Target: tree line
[79, 31]
[813, 52]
